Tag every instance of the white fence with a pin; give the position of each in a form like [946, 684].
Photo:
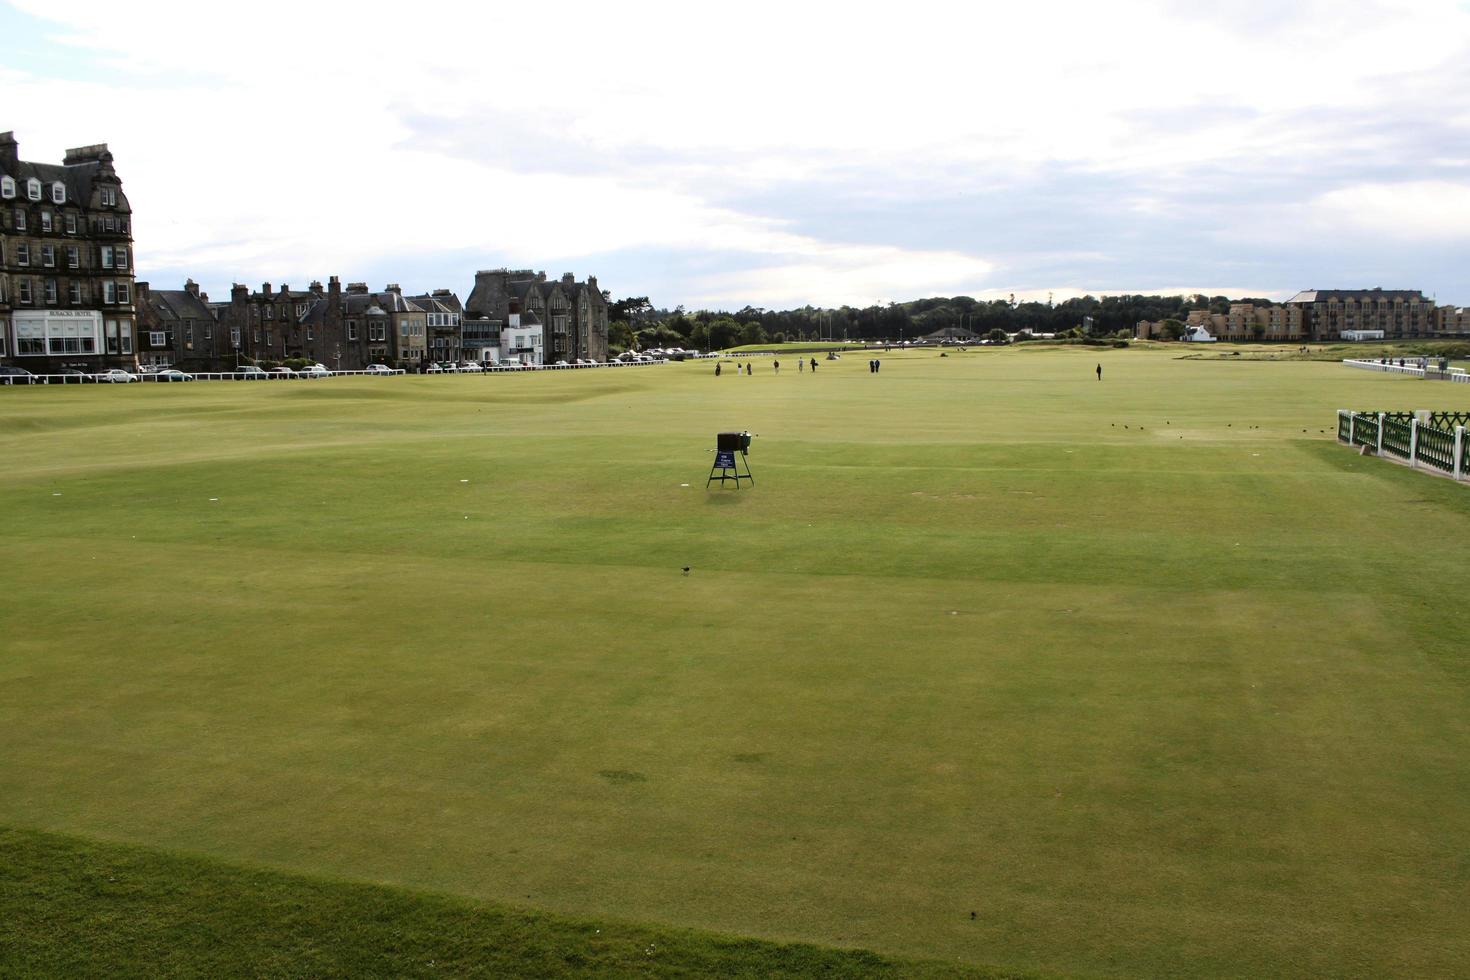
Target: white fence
[1414, 367]
[103, 378]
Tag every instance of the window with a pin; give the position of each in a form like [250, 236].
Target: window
[189, 333]
[108, 197]
[156, 338]
[208, 331]
[108, 224]
[71, 224]
[22, 253]
[23, 290]
[377, 331]
[270, 311]
[122, 293]
[20, 219]
[58, 193]
[301, 309]
[119, 337]
[106, 256]
[120, 256]
[73, 257]
[33, 189]
[30, 338]
[235, 337]
[310, 334]
[74, 294]
[48, 256]
[45, 220]
[351, 329]
[109, 292]
[51, 290]
[7, 187]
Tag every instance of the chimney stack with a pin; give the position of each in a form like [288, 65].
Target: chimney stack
[9, 151]
[141, 288]
[266, 288]
[191, 287]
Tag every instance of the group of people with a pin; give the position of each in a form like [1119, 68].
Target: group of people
[874, 365]
[748, 368]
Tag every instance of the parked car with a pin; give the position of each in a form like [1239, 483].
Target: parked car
[15, 376]
[282, 372]
[562, 364]
[470, 367]
[314, 371]
[251, 373]
[379, 369]
[117, 376]
[73, 376]
[172, 374]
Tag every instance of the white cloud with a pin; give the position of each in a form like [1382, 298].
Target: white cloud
[1419, 210]
[267, 150]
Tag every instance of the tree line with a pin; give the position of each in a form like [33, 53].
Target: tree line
[635, 321]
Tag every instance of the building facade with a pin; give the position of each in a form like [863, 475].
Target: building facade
[178, 328]
[1399, 313]
[571, 315]
[66, 262]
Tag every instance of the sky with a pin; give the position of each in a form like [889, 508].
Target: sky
[771, 154]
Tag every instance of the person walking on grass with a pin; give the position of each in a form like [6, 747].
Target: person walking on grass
[777, 366]
[1099, 372]
[814, 365]
[717, 369]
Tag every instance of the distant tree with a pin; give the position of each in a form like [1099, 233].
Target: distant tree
[723, 332]
[620, 334]
[632, 309]
[997, 336]
[1171, 329]
[753, 333]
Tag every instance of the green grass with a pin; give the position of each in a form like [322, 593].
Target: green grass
[1146, 676]
[78, 908]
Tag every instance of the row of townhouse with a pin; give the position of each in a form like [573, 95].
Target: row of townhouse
[68, 298]
[511, 316]
[1324, 315]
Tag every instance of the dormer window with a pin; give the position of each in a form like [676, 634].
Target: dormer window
[58, 193]
[33, 189]
[7, 187]
[109, 197]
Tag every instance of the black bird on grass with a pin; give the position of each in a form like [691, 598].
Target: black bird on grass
[686, 569]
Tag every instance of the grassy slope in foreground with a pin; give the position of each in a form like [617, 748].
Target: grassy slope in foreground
[70, 907]
[1141, 672]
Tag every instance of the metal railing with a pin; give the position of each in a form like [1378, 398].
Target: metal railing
[1424, 440]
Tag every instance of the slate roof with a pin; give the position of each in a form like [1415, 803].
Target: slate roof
[77, 178]
[179, 304]
[1326, 295]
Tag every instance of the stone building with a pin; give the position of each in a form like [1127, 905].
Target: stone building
[285, 324]
[572, 315]
[442, 314]
[179, 328]
[66, 262]
[1399, 313]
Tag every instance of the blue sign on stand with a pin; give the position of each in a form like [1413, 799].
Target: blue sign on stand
[725, 459]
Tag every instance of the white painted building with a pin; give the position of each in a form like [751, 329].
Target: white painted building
[520, 339]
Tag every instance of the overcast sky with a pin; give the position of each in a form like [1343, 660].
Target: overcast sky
[771, 154]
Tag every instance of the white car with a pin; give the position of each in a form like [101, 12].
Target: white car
[116, 376]
[379, 369]
[314, 371]
[282, 372]
[470, 367]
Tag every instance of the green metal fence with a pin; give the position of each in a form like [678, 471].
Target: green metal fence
[1433, 440]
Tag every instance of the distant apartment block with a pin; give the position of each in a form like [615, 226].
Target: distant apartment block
[1316, 315]
[66, 262]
